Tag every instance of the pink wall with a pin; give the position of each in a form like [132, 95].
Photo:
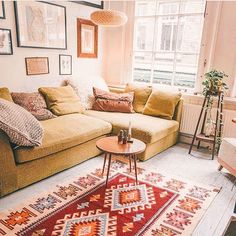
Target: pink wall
[225, 50]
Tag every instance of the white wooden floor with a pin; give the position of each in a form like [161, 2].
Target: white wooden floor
[176, 161]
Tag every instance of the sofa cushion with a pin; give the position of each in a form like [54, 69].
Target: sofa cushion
[83, 87]
[162, 104]
[22, 128]
[141, 95]
[146, 128]
[62, 100]
[114, 102]
[5, 94]
[34, 103]
[64, 132]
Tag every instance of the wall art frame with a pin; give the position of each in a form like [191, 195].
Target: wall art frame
[37, 65]
[34, 31]
[96, 4]
[65, 64]
[5, 42]
[2, 10]
[87, 39]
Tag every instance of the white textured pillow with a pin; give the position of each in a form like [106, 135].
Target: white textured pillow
[22, 128]
[84, 88]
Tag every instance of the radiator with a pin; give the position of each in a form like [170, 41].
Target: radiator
[191, 114]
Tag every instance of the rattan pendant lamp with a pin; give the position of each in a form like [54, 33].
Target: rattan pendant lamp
[109, 18]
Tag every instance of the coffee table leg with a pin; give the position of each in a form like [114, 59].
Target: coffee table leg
[130, 169]
[104, 163]
[135, 168]
[108, 168]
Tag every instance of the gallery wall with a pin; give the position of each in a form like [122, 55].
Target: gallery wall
[12, 67]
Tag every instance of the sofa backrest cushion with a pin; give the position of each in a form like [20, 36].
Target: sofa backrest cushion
[162, 104]
[114, 102]
[22, 128]
[141, 95]
[84, 88]
[34, 103]
[5, 94]
[62, 100]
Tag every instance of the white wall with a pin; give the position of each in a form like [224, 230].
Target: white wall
[12, 67]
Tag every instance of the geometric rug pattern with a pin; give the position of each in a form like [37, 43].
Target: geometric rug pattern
[159, 205]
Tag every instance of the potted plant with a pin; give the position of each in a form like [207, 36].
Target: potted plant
[213, 83]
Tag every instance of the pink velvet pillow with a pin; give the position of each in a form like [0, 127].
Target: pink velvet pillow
[116, 102]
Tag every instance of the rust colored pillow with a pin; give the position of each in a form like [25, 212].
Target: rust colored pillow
[107, 101]
[34, 103]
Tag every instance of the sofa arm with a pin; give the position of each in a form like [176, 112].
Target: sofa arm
[8, 175]
[178, 111]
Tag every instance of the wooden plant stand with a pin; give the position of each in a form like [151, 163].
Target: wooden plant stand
[218, 124]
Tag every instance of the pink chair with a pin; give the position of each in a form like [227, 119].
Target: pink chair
[227, 154]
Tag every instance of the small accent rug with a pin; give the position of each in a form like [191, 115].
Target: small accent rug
[159, 205]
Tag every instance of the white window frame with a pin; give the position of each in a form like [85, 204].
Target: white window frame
[178, 15]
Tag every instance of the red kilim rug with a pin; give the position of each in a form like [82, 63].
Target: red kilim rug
[159, 205]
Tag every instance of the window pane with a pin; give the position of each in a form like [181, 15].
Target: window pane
[192, 6]
[190, 33]
[186, 70]
[166, 8]
[145, 8]
[142, 67]
[166, 33]
[144, 30]
[163, 68]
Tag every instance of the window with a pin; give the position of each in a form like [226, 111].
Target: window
[167, 37]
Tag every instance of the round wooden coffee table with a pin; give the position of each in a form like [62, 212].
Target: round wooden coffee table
[110, 146]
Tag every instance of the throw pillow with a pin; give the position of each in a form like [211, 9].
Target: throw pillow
[116, 102]
[34, 103]
[22, 128]
[5, 94]
[84, 88]
[62, 100]
[141, 95]
[162, 104]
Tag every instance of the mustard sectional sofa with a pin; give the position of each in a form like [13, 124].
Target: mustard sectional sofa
[70, 139]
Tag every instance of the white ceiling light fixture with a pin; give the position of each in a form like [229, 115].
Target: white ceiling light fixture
[109, 18]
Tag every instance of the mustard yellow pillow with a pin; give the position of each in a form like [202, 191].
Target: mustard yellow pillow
[141, 95]
[5, 94]
[62, 100]
[162, 104]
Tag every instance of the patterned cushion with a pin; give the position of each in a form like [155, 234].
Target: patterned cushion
[34, 103]
[84, 89]
[116, 102]
[22, 128]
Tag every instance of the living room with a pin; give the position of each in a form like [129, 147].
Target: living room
[118, 118]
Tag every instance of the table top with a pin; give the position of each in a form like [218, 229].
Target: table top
[111, 145]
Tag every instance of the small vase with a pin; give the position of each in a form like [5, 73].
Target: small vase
[209, 127]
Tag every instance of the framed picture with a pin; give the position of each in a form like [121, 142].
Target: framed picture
[37, 65]
[40, 25]
[87, 39]
[2, 10]
[5, 42]
[65, 64]
[92, 3]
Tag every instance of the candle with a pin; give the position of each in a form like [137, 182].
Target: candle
[129, 131]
